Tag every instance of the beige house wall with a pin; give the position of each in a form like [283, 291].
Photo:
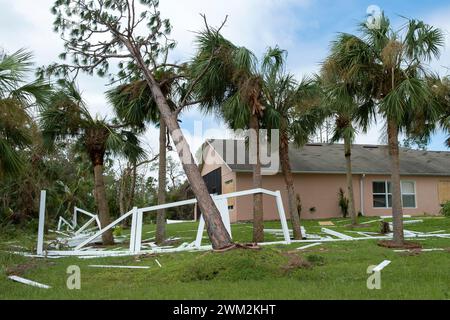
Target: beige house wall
[318, 191]
[228, 183]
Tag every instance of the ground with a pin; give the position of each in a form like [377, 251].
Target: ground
[329, 271]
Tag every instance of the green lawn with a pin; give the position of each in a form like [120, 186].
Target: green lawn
[330, 271]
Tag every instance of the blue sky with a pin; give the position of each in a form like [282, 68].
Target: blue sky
[303, 27]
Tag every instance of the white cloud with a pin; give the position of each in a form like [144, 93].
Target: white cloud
[440, 19]
[256, 24]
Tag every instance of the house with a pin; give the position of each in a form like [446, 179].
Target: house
[319, 172]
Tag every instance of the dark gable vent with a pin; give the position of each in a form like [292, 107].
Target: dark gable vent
[315, 145]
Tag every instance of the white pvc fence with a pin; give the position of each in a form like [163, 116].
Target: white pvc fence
[221, 202]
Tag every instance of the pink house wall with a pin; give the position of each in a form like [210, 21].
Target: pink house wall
[427, 196]
[319, 191]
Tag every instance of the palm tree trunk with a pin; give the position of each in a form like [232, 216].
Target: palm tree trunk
[161, 215]
[351, 195]
[289, 180]
[102, 203]
[397, 210]
[258, 215]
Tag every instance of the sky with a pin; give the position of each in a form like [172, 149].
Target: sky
[304, 28]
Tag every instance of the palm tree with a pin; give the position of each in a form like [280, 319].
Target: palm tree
[16, 98]
[65, 116]
[441, 91]
[233, 88]
[390, 66]
[292, 109]
[135, 105]
[351, 111]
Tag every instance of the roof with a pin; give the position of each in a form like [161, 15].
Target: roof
[329, 159]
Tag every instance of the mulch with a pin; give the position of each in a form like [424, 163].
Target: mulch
[406, 245]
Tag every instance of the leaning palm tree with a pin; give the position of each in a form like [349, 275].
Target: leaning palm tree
[16, 99]
[134, 104]
[390, 66]
[232, 87]
[65, 116]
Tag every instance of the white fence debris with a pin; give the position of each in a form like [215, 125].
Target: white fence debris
[381, 266]
[337, 234]
[81, 238]
[309, 246]
[119, 267]
[29, 282]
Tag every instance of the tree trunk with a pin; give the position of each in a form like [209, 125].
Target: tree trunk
[102, 204]
[122, 191]
[397, 209]
[351, 195]
[216, 229]
[161, 214]
[258, 214]
[122, 194]
[289, 180]
[132, 187]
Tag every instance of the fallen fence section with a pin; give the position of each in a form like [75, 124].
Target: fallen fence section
[75, 241]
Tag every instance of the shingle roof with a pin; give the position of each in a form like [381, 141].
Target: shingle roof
[366, 159]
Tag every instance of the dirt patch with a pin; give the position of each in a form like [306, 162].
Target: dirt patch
[295, 262]
[240, 246]
[406, 245]
[20, 269]
[357, 226]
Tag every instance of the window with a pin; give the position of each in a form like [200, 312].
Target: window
[409, 194]
[382, 194]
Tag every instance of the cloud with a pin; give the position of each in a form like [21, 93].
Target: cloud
[440, 19]
[303, 27]
[252, 23]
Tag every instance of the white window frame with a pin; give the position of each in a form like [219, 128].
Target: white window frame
[387, 193]
[409, 194]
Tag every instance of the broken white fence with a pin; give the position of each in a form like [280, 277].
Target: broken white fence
[73, 225]
[136, 215]
[136, 246]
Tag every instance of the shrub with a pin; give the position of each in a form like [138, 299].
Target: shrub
[446, 209]
[117, 231]
[343, 203]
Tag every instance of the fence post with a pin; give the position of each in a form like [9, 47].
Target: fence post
[138, 236]
[283, 220]
[133, 230]
[40, 242]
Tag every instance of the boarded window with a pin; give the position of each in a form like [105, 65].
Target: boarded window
[444, 191]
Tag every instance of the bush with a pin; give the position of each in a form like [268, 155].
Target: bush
[343, 203]
[446, 209]
[117, 231]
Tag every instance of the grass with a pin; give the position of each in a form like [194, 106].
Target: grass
[330, 271]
